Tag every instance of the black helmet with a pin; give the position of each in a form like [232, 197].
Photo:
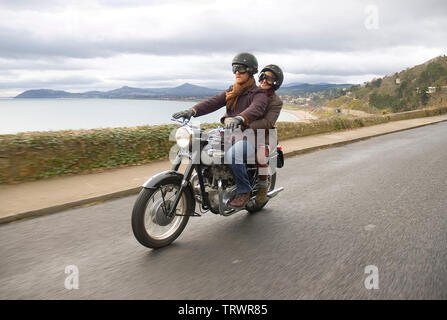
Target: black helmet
[247, 59]
[278, 74]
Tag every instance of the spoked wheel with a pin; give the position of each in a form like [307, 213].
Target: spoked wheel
[152, 225]
[252, 206]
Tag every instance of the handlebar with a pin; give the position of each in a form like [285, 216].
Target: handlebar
[186, 121]
[182, 122]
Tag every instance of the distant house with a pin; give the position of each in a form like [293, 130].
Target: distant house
[431, 90]
[397, 81]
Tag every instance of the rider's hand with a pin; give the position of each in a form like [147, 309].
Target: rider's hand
[186, 114]
[227, 120]
[234, 123]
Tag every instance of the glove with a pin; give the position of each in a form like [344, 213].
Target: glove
[234, 123]
[186, 114]
[227, 121]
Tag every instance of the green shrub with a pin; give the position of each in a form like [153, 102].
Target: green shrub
[37, 155]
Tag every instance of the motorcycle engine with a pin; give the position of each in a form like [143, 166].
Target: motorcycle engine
[213, 174]
[222, 172]
[228, 194]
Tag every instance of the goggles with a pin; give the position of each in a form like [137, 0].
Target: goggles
[240, 68]
[267, 78]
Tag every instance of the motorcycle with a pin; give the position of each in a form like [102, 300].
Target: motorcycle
[168, 199]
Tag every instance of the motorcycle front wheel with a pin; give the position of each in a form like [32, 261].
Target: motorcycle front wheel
[151, 223]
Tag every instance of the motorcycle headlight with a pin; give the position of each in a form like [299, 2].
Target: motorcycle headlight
[183, 137]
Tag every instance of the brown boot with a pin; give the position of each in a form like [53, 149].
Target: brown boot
[261, 194]
[240, 200]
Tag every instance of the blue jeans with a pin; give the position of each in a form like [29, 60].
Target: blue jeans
[235, 158]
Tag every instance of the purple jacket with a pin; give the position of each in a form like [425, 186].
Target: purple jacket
[251, 104]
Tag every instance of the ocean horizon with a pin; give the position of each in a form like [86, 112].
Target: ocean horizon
[30, 115]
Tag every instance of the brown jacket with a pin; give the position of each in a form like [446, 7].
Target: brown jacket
[268, 121]
[271, 114]
[251, 104]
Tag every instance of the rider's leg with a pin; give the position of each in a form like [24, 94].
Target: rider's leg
[236, 157]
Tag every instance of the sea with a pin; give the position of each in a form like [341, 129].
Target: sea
[25, 115]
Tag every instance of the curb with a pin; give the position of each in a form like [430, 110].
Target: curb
[70, 205]
[133, 191]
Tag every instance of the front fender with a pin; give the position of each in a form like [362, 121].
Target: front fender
[169, 176]
[155, 180]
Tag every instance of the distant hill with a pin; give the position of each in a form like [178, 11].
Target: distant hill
[421, 86]
[46, 93]
[183, 91]
[191, 90]
[293, 84]
[300, 88]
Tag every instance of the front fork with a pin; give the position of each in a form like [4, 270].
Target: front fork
[186, 180]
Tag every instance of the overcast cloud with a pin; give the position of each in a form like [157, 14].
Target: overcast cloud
[99, 45]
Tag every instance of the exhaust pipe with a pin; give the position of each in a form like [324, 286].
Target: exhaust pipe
[274, 192]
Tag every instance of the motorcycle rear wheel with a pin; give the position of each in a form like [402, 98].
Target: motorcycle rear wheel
[151, 226]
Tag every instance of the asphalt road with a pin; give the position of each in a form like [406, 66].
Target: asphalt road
[379, 202]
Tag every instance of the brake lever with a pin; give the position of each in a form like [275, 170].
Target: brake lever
[185, 120]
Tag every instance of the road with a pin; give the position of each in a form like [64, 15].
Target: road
[353, 112]
[301, 114]
[379, 202]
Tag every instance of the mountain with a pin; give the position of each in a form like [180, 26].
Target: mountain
[300, 88]
[293, 84]
[125, 92]
[185, 90]
[191, 90]
[46, 93]
[413, 88]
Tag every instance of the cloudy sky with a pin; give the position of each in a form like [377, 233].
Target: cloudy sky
[99, 45]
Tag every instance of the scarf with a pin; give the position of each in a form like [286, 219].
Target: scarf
[237, 90]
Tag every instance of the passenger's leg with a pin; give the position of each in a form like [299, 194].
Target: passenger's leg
[263, 184]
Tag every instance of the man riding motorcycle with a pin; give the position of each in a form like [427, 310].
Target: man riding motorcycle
[245, 103]
[270, 79]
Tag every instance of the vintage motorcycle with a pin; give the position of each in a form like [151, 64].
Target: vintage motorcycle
[169, 198]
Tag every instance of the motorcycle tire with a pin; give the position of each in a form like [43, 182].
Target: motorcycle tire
[140, 213]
